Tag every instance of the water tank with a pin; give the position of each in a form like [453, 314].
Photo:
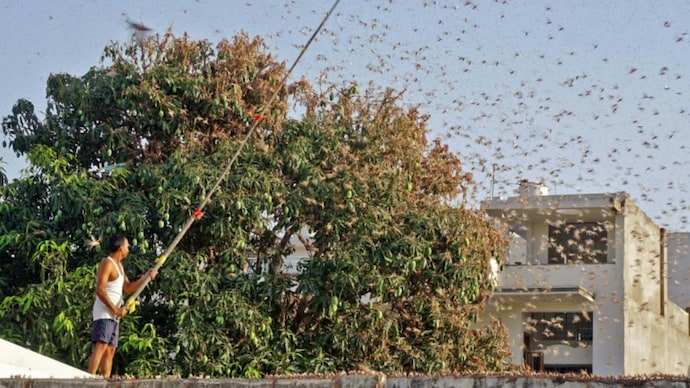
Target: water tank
[527, 188]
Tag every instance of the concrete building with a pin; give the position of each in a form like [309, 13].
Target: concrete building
[587, 285]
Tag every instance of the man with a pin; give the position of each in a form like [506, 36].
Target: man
[111, 281]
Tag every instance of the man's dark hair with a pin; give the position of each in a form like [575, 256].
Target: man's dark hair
[116, 242]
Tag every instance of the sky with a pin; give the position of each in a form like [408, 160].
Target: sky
[590, 96]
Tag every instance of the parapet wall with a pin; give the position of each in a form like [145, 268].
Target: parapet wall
[352, 381]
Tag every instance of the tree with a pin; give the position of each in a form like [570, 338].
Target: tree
[3, 174]
[394, 275]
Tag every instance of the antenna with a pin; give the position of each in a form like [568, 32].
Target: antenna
[493, 178]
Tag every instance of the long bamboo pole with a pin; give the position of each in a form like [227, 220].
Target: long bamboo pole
[131, 301]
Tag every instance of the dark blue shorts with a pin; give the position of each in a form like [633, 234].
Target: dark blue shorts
[105, 330]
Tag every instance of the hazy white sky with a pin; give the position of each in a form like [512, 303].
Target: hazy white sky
[588, 96]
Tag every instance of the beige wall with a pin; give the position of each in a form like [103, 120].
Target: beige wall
[656, 329]
[679, 268]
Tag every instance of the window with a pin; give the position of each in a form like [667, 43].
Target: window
[561, 326]
[579, 242]
[580, 369]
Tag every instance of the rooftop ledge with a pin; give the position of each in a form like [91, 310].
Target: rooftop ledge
[543, 292]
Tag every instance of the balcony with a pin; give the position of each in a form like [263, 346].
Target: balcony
[548, 283]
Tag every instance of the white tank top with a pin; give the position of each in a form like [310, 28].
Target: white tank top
[114, 291]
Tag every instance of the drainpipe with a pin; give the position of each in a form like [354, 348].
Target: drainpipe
[663, 246]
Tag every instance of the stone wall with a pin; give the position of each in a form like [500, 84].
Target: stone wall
[352, 381]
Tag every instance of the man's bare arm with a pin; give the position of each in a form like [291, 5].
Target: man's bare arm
[130, 287]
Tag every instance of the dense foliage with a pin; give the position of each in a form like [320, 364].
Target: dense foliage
[392, 275]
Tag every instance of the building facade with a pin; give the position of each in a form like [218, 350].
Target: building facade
[679, 269]
[585, 286]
